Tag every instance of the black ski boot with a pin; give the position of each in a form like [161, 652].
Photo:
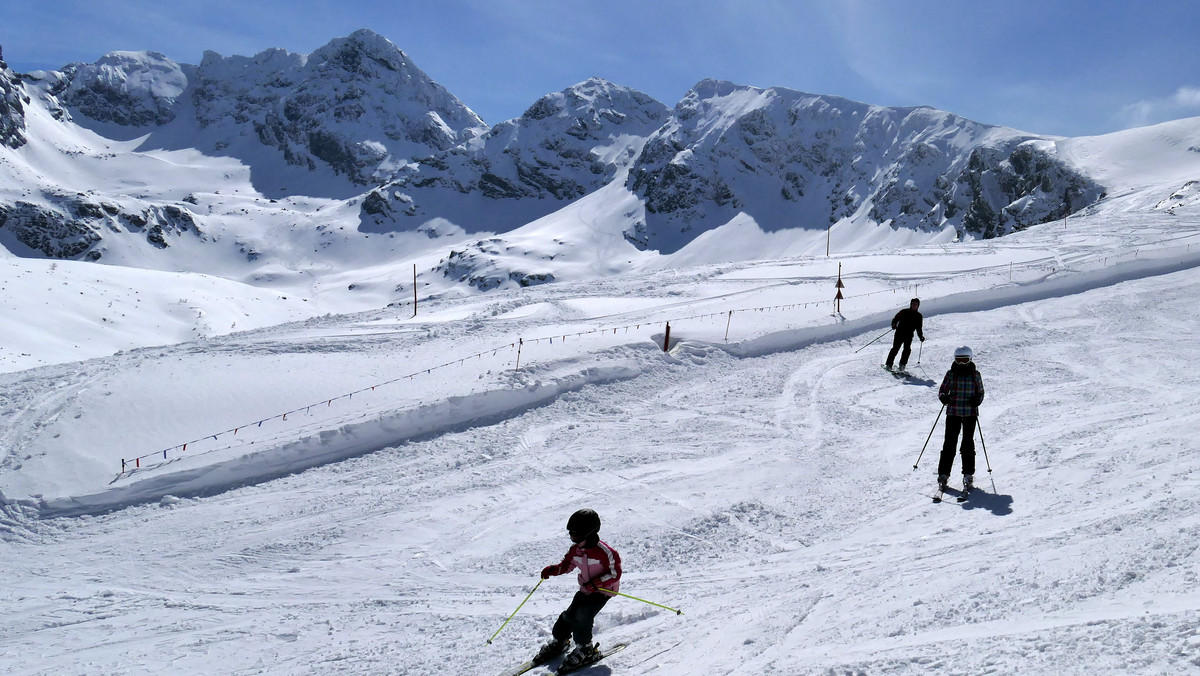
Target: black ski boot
[581, 655]
[551, 650]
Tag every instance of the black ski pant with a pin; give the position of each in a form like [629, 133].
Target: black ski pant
[901, 341]
[576, 621]
[955, 424]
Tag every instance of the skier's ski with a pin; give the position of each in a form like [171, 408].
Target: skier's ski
[966, 491]
[517, 671]
[603, 653]
[531, 665]
[937, 497]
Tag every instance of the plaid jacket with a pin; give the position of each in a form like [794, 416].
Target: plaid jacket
[962, 390]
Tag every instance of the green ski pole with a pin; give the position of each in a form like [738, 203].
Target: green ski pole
[659, 605]
[514, 613]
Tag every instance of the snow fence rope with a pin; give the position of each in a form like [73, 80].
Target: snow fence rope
[1052, 265]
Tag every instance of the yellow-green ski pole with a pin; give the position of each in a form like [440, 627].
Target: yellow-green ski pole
[659, 605]
[514, 613]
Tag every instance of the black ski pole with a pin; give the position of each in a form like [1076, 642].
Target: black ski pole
[935, 422]
[979, 428]
[876, 338]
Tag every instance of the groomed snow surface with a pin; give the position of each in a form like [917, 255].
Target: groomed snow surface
[763, 484]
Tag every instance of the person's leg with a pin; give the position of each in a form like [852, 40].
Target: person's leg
[906, 353]
[564, 626]
[968, 446]
[891, 358]
[585, 616]
[946, 462]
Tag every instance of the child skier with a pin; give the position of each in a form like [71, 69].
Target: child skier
[599, 569]
[962, 393]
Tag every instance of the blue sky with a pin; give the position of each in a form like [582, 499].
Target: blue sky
[1070, 67]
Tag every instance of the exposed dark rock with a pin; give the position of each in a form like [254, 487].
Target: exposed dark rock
[12, 109]
[54, 234]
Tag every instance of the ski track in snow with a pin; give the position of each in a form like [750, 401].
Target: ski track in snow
[771, 498]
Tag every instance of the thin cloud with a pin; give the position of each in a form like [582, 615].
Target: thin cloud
[1185, 102]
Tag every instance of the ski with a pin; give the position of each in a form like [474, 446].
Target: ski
[603, 653]
[531, 665]
[966, 492]
[517, 671]
[937, 497]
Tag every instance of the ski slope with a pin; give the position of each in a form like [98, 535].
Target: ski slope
[762, 484]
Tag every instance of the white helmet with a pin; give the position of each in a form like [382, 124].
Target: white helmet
[964, 351]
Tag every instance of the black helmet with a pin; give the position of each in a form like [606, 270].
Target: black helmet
[584, 522]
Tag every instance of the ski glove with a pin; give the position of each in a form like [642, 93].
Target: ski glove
[590, 587]
[945, 399]
[548, 571]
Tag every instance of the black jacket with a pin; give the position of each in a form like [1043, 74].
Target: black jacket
[906, 321]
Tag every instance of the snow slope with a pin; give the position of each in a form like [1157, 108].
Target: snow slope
[763, 485]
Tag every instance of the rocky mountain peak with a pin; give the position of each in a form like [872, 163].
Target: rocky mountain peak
[791, 159]
[567, 144]
[357, 105]
[126, 88]
[12, 109]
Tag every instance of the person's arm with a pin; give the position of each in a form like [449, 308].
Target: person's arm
[560, 568]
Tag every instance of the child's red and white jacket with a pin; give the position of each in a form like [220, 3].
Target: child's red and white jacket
[599, 566]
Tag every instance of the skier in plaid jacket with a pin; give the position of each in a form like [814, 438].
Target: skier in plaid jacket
[962, 393]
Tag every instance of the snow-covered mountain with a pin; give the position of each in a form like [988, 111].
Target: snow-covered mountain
[357, 106]
[12, 109]
[240, 166]
[566, 145]
[797, 160]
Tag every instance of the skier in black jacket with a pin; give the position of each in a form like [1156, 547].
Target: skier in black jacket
[905, 323]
